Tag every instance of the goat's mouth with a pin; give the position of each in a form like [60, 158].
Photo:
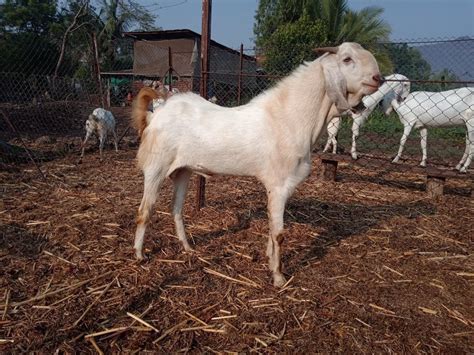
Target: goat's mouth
[375, 87]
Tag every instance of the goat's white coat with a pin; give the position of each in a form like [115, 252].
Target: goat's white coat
[270, 138]
[423, 109]
[386, 92]
[100, 122]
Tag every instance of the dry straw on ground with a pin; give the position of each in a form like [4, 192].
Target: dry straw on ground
[375, 266]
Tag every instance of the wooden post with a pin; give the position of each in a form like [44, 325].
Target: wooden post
[170, 69]
[205, 43]
[329, 169]
[239, 84]
[435, 185]
[109, 103]
[97, 68]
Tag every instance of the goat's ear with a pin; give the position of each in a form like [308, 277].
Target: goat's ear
[323, 50]
[336, 87]
[94, 118]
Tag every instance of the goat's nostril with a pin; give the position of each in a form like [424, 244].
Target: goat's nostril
[378, 78]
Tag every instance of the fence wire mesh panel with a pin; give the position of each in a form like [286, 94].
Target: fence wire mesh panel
[46, 93]
[421, 116]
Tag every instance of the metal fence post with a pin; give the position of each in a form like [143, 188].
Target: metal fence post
[205, 42]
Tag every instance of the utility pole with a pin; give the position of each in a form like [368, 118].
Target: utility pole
[205, 44]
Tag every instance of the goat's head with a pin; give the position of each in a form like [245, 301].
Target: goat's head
[398, 87]
[91, 123]
[350, 72]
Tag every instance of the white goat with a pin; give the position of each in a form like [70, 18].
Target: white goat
[423, 109]
[270, 138]
[394, 86]
[100, 122]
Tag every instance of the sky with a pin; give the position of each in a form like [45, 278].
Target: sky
[232, 20]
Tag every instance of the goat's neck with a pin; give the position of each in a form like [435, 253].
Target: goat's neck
[303, 106]
[375, 98]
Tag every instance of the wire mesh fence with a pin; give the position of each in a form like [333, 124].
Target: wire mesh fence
[45, 100]
[440, 78]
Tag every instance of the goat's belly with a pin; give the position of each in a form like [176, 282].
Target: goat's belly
[226, 165]
[440, 121]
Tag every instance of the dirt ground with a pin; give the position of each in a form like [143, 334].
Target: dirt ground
[373, 265]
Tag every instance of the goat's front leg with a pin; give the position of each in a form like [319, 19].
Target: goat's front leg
[332, 129]
[424, 143]
[355, 134]
[84, 145]
[102, 138]
[406, 133]
[276, 208]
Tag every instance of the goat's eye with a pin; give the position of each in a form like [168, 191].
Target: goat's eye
[347, 60]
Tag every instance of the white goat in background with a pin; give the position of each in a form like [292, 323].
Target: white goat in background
[423, 109]
[394, 86]
[100, 122]
[270, 138]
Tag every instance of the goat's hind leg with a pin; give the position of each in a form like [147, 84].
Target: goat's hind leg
[469, 152]
[153, 181]
[180, 180]
[115, 140]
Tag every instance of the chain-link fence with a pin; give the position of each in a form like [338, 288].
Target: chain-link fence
[45, 100]
[429, 88]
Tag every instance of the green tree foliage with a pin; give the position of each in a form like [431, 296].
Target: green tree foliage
[34, 16]
[32, 31]
[292, 43]
[25, 36]
[446, 80]
[340, 23]
[116, 17]
[409, 62]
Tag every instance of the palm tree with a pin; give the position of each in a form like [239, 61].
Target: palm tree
[342, 24]
[117, 16]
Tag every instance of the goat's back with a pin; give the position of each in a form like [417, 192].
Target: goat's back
[104, 118]
[443, 108]
[209, 137]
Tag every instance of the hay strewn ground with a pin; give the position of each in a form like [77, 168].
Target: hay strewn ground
[374, 265]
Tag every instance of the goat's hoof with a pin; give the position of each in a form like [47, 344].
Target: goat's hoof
[458, 167]
[139, 256]
[355, 156]
[279, 280]
[463, 170]
[423, 165]
[188, 249]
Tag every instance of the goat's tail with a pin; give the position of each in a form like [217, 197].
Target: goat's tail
[140, 106]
